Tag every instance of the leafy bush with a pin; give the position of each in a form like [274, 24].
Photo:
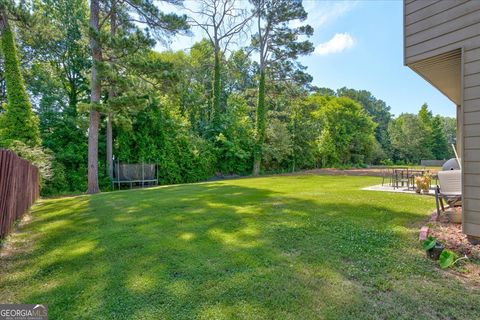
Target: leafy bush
[160, 135]
[278, 146]
[348, 132]
[38, 156]
[52, 172]
[386, 162]
[235, 143]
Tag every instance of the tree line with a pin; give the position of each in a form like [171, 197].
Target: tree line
[90, 89]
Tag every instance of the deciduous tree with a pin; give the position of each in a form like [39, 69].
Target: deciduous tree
[222, 21]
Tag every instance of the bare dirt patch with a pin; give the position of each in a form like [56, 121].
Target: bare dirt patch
[13, 244]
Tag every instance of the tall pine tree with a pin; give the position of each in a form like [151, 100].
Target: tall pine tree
[141, 12]
[440, 147]
[278, 46]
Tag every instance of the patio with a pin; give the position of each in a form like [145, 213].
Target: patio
[405, 180]
[390, 188]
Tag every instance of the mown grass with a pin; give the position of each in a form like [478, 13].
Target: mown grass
[291, 247]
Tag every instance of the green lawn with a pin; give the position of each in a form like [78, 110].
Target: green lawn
[285, 247]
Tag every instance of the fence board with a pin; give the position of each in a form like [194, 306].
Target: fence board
[19, 189]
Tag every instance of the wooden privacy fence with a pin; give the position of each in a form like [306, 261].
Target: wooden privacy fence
[19, 188]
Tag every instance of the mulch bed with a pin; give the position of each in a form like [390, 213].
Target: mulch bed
[347, 172]
[450, 234]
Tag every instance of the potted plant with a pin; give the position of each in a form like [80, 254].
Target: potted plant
[433, 248]
[418, 184]
[423, 183]
[427, 181]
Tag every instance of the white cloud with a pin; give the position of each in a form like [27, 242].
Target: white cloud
[339, 43]
[321, 13]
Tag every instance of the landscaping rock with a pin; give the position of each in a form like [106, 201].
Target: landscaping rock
[423, 233]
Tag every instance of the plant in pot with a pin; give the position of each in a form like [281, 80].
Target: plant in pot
[418, 184]
[423, 182]
[427, 178]
[433, 248]
[426, 182]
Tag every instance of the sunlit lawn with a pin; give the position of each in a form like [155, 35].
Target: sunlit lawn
[291, 247]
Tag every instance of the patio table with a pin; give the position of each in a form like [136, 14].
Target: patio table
[402, 176]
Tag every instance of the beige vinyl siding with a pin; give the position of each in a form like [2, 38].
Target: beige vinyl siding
[442, 49]
[440, 18]
[460, 25]
[428, 11]
[471, 80]
[445, 42]
[472, 54]
[471, 106]
[472, 155]
[471, 140]
[471, 180]
[472, 193]
[472, 93]
[472, 215]
[472, 117]
[436, 28]
[418, 5]
[470, 229]
[472, 168]
[472, 67]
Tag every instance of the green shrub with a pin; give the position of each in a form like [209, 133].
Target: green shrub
[52, 175]
[233, 147]
[159, 135]
[18, 121]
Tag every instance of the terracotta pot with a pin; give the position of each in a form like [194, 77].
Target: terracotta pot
[454, 216]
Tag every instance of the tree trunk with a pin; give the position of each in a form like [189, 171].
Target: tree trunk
[259, 125]
[96, 89]
[93, 152]
[3, 19]
[216, 90]
[109, 144]
[111, 95]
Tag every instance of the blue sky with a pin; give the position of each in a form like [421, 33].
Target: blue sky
[359, 44]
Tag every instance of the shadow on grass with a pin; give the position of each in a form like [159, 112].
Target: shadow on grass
[219, 251]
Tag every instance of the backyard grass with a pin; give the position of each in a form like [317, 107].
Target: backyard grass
[284, 247]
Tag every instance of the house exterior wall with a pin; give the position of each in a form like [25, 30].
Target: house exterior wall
[433, 27]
